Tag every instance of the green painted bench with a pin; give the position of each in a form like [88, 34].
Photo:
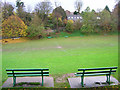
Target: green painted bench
[26, 72]
[96, 72]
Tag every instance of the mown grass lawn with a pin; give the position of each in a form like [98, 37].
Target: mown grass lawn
[62, 55]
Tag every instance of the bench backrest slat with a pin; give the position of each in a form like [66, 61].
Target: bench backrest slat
[27, 69]
[28, 72]
[105, 68]
[96, 72]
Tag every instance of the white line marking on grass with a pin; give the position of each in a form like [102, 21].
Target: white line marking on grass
[62, 49]
[23, 52]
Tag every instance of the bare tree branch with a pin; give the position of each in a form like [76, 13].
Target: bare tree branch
[78, 5]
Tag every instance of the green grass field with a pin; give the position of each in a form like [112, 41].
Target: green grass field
[62, 55]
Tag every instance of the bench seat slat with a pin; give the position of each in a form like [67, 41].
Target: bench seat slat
[92, 74]
[22, 75]
[28, 72]
[46, 69]
[96, 72]
[98, 68]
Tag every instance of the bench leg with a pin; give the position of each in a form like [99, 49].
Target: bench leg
[107, 79]
[82, 83]
[42, 80]
[14, 81]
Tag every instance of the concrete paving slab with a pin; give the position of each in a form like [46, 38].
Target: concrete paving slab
[48, 82]
[95, 81]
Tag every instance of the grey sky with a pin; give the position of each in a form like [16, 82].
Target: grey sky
[69, 4]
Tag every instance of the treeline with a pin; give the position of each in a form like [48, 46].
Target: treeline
[44, 19]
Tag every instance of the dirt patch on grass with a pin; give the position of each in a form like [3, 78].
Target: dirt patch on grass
[63, 78]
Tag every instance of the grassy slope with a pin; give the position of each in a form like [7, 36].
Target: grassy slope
[76, 52]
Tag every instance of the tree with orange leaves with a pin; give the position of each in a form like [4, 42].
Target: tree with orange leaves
[13, 27]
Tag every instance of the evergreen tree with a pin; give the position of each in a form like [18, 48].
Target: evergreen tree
[20, 10]
[107, 8]
[75, 13]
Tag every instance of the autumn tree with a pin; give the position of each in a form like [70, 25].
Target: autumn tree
[105, 21]
[115, 17]
[13, 27]
[116, 14]
[65, 22]
[58, 13]
[60, 22]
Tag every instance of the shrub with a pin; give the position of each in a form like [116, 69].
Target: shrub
[60, 22]
[69, 27]
[87, 28]
[105, 21]
[65, 22]
[36, 28]
[89, 21]
[36, 31]
[77, 25]
[13, 27]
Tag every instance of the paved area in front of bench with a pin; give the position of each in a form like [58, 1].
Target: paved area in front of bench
[48, 82]
[95, 81]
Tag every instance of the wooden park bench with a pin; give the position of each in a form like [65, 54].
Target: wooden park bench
[26, 72]
[95, 72]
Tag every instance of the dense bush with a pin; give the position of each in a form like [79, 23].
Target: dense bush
[64, 22]
[105, 21]
[98, 22]
[50, 23]
[87, 28]
[35, 31]
[89, 21]
[13, 27]
[69, 26]
[36, 28]
[77, 25]
[60, 22]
